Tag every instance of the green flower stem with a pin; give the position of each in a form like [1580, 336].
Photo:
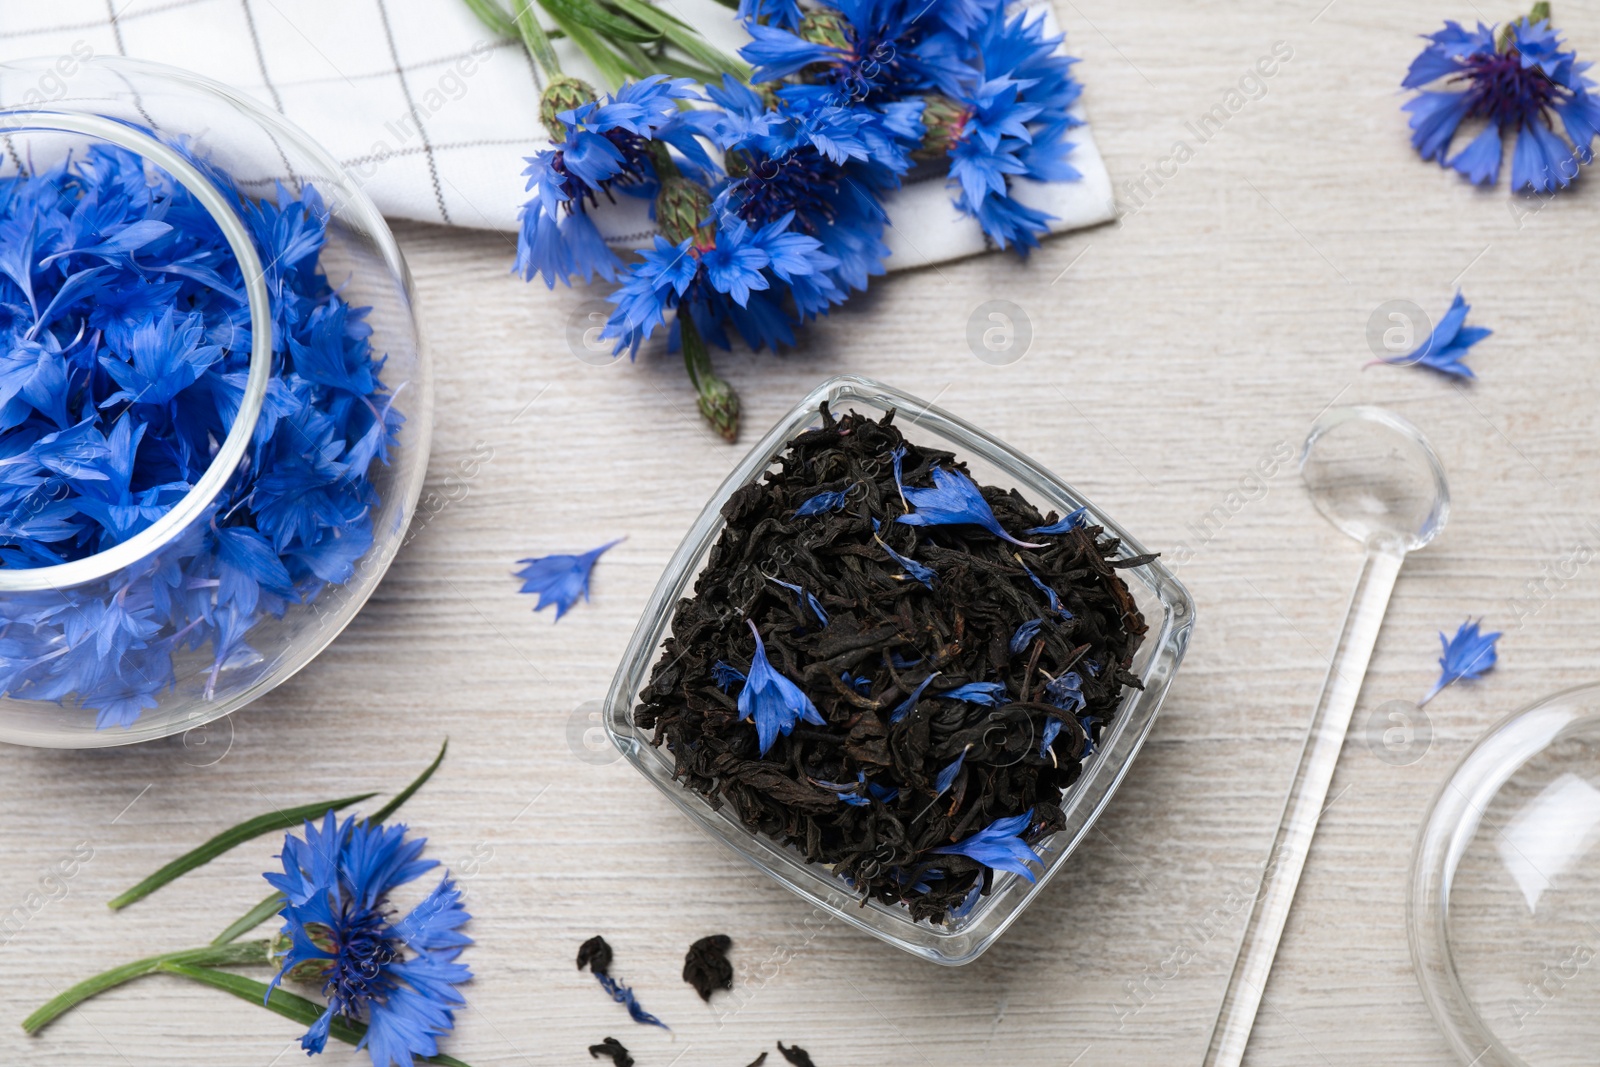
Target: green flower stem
[535, 39]
[683, 37]
[613, 71]
[289, 1005]
[273, 902]
[492, 15]
[719, 404]
[261, 824]
[243, 952]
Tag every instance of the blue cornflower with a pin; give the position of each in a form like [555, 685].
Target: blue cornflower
[1466, 655]
[723, 278]
[999, 846]
[560, 580]
[826, 163]
[784, 13]
[604, 147]
[1446, 345]
[824, 502]
[1025, 635]
[1004, 117]
[852, 793]
[970, 901]
[1513, 81]
[1047, 736]
[772, 700]
[861, 686]
[725, 675]
[1066, 524]
[954, 500]
[398, 976]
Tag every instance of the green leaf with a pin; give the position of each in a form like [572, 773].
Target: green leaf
[492, 15]
[535, 39]
[684, 38]
[383, 813]
[269, 906]
[251, 952]
[289, 1005]
[250, 828]
[591, 15]
[613, 69]
[273, 902]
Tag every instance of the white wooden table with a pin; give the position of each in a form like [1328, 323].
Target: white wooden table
[1171, 353]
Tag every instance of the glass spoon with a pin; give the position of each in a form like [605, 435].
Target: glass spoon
[1374, 476]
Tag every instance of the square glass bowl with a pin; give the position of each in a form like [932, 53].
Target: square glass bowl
[1165, 603]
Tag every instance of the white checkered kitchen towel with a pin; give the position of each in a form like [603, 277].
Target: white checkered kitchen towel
[432, 112]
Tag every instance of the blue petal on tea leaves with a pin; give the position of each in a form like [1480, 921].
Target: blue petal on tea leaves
[805, 600]
[1066, 692]
[954, 500]
[1025, 635]
[987, 693]
[999, 846]
[772, 700]
[904, 707]
[947, 776]
[1068, 522]
[831, 500]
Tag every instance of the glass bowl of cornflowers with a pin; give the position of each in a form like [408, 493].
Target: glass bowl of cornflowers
[214, 401]
[899, 667]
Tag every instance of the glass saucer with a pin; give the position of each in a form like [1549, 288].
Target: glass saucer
[1504, 907]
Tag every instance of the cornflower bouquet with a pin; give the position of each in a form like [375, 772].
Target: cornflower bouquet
[767, 178]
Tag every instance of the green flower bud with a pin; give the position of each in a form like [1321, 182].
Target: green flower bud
[681, 206]
[562, 94]
[825, 27]
[943, 120]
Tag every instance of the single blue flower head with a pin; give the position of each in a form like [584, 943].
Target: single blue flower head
[1513, 82]
[396, 975]
[1447, 344]
[999, 846]
[902, 709]
[1067, 523]
[1025, 635]
[772, 700]
[1466, 655]
[824, 502]
[954, 500]
[987, 693]
[1066, 692]
[947, 776]
[560, 580]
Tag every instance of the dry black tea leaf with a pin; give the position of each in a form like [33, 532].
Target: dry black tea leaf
[595, 954]
[796, 1055]
[758, 1061]
[706, 965]
[892, 669]
[613, 1048]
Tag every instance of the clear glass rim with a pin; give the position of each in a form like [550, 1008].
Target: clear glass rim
[1447, 829]
[226, 461]
[1010, 896]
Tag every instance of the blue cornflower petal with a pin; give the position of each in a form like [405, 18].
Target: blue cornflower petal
[805, 600]
[999, 846]
[903, 708]
[954, 500]
[1466, 655]
[725, 676]
[1480, 160]
[1447, 344]
[988, 693]
[914, 570]
[824, 502]
[1050, 594]
[862, 686]
[772, 700]
[947, 776]
[560, 580]
[1047, 737]
[1066, 692]
[1025, 635]
[1067, 523]
[624, 995]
